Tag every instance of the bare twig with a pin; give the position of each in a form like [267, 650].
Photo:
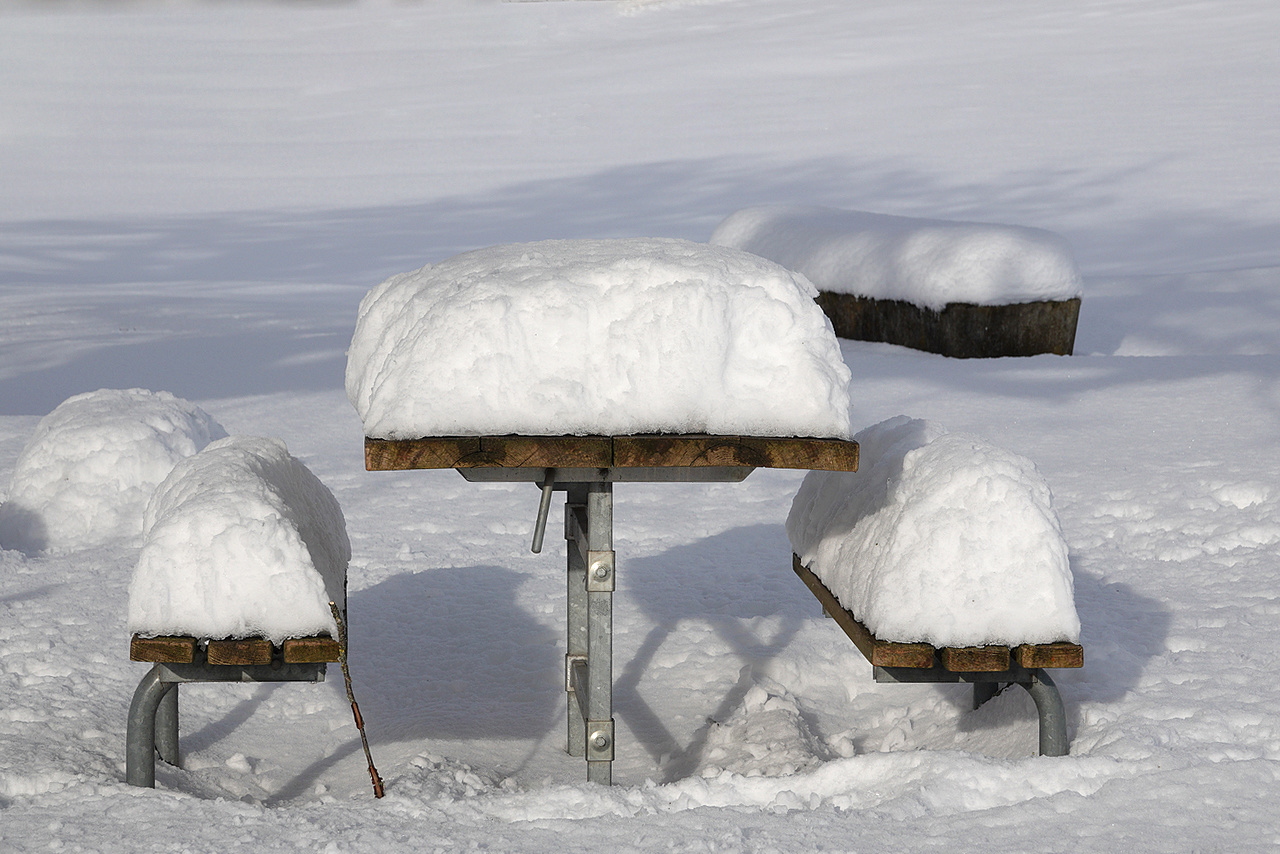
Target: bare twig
[355, 709]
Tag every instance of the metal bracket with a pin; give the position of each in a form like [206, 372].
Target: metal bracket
[600, 571]
[570, 662]
[600, 741]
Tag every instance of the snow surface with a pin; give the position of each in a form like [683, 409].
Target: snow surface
[939, 538]
[926, 262]
[241, 540]
[597, 337]
[85, 475]
[196, 196]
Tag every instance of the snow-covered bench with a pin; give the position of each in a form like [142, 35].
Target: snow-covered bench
[242, 569]
[961, 289]
[943, 562]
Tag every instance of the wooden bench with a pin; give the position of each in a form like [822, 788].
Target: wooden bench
[153, 714]
[985, 667]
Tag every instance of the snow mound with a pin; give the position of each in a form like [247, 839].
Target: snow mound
[942, 538]
[242, 540]
[925, 262]
[84, 477]
[766, 737]
[597, 337]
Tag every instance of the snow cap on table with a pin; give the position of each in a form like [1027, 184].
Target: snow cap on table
[940, 538]
[926, 262]
[242, 540]
[597, 337]
[85, 475]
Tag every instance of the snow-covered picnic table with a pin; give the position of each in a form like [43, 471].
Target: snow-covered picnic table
[575, 365]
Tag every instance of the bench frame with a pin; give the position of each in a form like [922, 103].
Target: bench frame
[987, 668]
[153, 713]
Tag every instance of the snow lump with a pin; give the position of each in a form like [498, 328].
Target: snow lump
[940, 538]
[86, 474]
[926, 262]
[597, 337]
[242, 540]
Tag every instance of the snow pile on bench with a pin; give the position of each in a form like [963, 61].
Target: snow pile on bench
[86, 474]
[926, 262]
[940, 538]
[597, 337]
[242, 540]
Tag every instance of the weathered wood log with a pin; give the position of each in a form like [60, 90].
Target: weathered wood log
[166, 650]
[960, 330]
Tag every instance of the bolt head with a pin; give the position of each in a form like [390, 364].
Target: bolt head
[600, 571]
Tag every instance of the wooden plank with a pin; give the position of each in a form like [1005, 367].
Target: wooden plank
[543, 452]
[799, 453]
[240, 651]
[433, 453]
[687, 451]
[1050, 655]
[974, 659]
[168, 650]
[879, 653]
[309, 650]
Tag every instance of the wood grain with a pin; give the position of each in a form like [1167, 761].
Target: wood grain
[167, 650]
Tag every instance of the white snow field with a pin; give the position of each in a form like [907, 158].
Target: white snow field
[196, 197]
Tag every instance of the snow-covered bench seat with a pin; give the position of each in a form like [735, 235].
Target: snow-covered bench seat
[241, 573]
[960, 289]
[943, 562]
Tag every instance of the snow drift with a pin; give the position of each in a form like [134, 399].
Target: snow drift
[941, 538]
[926, 262]
[597, 337]
[86, 474]
[242, 540]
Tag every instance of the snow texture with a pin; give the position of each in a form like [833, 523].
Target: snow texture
[597, 337]
[941, 538]
[242, 540]
[927, 262]
[88, 470]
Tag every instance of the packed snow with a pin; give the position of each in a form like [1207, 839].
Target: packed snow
[197, 195]
[941, 538]
[86, 473]
[597, 337]
[241, 540]
[926, 262]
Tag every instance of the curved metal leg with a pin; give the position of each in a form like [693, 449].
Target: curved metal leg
[1053, 718]
[167, 725]
[140, 738]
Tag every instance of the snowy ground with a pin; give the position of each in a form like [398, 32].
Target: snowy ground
[196, 197]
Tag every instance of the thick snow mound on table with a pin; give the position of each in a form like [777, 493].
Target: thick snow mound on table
[242, 540]
[925, 262]
[940, 538]
[597, 337]
[86, 474]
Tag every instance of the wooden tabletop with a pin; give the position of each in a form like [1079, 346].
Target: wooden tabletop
[605, 452]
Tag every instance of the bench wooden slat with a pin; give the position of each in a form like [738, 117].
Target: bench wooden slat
[239, 651]
[638, 451]
[165, 650]
[879, 653]
[974, 659]
[309, 650]
[979, 659]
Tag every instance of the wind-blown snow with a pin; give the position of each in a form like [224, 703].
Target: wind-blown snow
[87, 472]
[602, 337]
[941, 538]
[927, 262]
[242, 540]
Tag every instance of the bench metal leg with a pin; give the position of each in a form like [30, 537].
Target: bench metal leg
[167, 726]
[600, 587]
[575, 512]
[140, 737]
[1053, 717]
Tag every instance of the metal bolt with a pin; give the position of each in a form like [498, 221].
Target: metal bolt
[600, 571]
[599, 740]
